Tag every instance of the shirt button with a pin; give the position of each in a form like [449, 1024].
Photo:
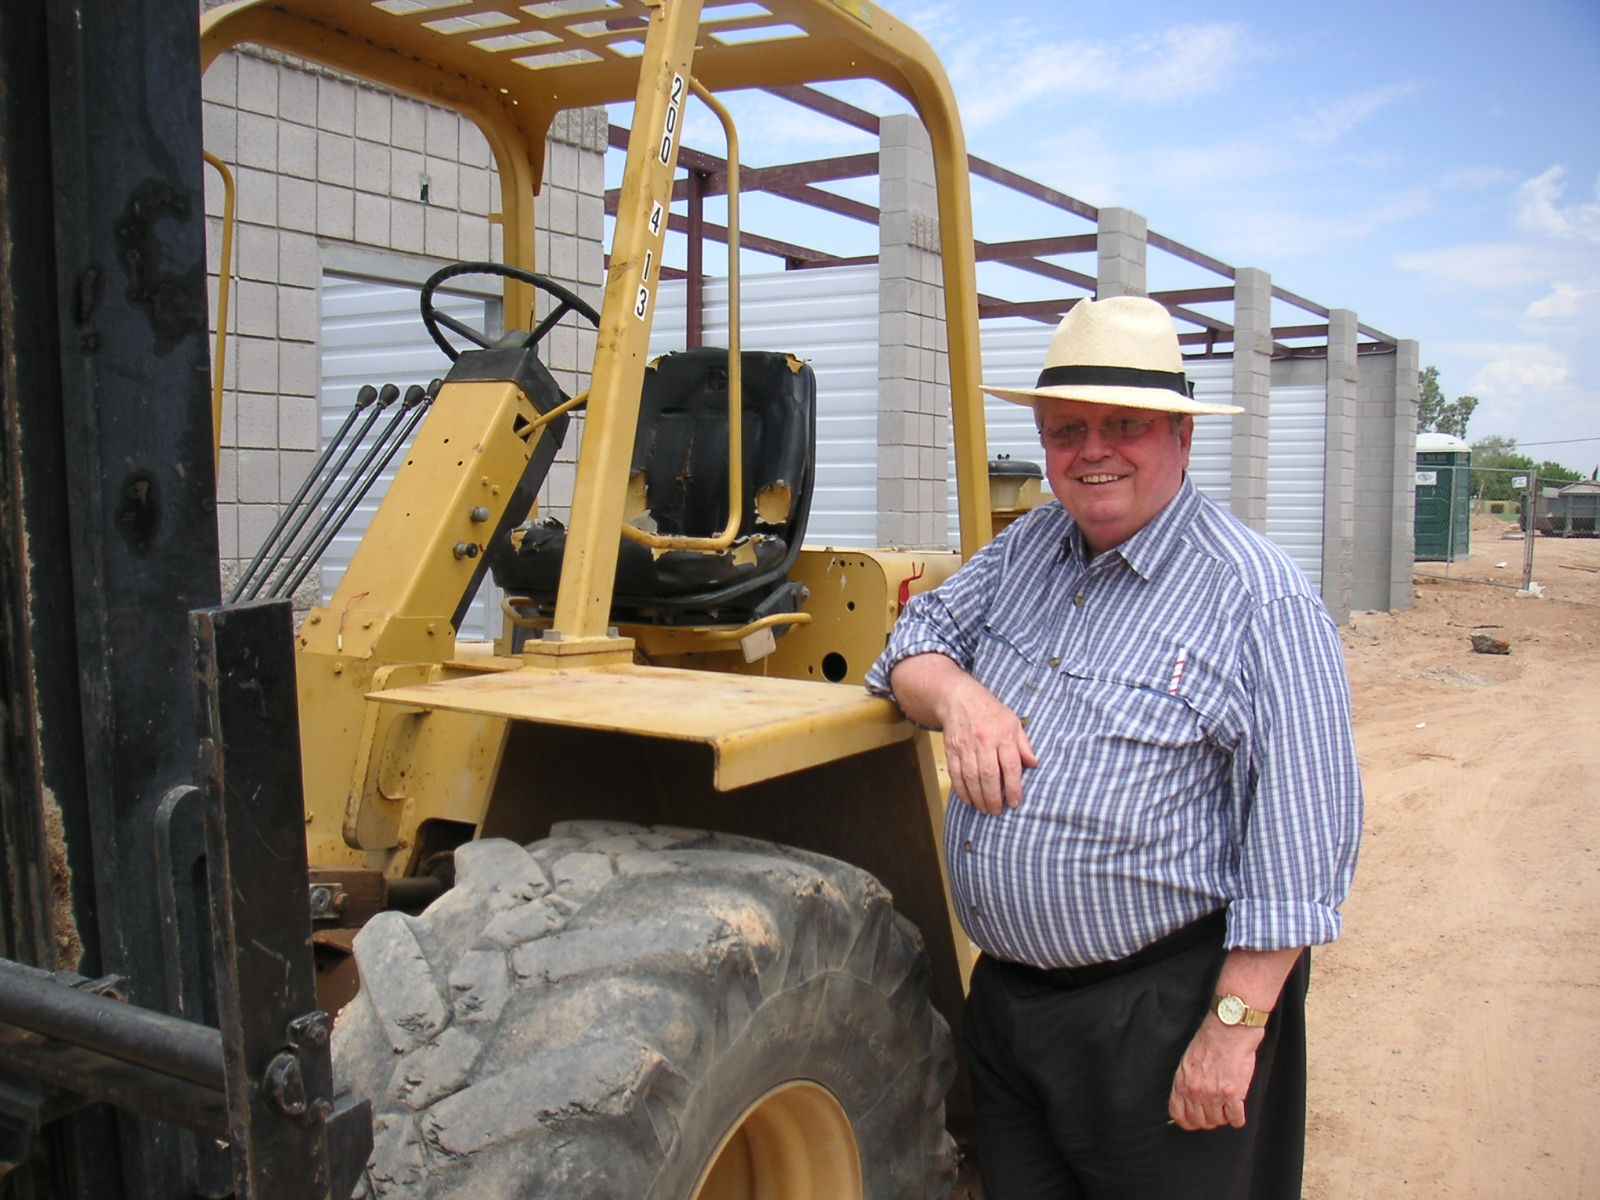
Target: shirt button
[1023, 721]
[1078, 600]
[967, 845]
[1055, 662]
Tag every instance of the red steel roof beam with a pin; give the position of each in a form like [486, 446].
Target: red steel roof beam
[1083, 243]
[1188, 254]
[1194, 296]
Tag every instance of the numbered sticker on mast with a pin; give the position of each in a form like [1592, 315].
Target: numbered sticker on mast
[669, 131]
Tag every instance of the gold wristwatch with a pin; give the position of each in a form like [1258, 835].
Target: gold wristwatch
[1231, 1010]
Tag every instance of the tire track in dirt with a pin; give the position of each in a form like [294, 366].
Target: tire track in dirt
[1455, 1031]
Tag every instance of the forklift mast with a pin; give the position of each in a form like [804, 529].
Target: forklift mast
[138, 911]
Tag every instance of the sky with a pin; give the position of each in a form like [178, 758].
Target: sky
[1435, 167]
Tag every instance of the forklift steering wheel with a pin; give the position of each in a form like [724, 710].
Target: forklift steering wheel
[432, 318]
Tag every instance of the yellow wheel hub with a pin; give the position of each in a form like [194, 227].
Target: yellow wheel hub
[795, 1143]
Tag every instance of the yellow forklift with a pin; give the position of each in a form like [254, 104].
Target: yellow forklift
[648, 900]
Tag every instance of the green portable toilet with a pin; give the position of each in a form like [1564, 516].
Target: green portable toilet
[1444, 509]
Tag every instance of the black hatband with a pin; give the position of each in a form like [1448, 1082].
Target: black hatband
[1169, 381]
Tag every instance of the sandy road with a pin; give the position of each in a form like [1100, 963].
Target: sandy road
[1456, 1029]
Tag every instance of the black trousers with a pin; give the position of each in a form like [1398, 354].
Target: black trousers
[1071, 1071]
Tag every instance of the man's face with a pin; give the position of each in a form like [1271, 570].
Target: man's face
[1113, 469]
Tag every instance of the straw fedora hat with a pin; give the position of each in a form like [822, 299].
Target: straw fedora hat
[1122, 351]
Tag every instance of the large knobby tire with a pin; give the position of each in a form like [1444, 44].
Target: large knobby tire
[589, 1016]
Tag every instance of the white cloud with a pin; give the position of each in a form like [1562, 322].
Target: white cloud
[1331, 122]
[1490, 266]
[1000, 68]
[1564, 300]
[1268, 236]
[1175, 62]
[1539, 210]
[1519, 378]
[1513, 371]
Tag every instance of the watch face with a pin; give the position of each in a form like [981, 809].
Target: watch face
[1230, 1010]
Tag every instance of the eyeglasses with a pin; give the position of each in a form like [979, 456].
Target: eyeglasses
[1118, 432]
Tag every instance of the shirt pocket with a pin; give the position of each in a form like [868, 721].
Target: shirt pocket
[1010, 661]
[1142, 693]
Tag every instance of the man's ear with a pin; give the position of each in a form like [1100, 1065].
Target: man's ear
[1184, 430]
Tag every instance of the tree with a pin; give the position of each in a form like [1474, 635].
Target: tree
[1454, 417]
[1436, 413]
[1554, 472]
[1494, 462]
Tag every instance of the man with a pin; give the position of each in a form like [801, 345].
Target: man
[1155, 801]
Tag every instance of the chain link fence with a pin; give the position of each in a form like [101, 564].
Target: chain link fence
[1445, 507]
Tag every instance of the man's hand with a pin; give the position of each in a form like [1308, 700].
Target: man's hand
[985, 747]
[1214, 1077]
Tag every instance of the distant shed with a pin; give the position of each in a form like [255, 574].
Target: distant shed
[1574, 511]
[1443, 509]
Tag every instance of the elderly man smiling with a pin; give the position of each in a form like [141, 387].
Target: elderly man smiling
[1155, 801]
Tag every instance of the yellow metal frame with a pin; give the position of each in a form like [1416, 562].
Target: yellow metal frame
[757, 729]
[397, 730]
[475, 57]
[224, 280]
[730, 531]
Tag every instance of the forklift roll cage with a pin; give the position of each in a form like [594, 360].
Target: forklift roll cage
[512, 68]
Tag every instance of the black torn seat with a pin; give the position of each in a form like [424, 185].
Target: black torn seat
[680, 470]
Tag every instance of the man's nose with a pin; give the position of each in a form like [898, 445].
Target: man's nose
[1095, 445]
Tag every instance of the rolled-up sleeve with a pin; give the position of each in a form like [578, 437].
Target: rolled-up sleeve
[1298, 788]
[944, 621]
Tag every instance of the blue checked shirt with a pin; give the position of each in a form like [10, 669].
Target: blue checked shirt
[1186, 696]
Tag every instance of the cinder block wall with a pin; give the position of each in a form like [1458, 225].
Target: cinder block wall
[1402, 508]
[1371, 576]
[913, 363]
[327, 168]
[1339, 472]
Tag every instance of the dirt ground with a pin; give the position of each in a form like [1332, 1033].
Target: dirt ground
[1455, 1029]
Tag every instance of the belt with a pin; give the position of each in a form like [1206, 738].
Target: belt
[1208, 929]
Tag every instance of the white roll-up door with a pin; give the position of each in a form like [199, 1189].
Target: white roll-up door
[1012, 357]
[829, 318]
[1296, 454]
[1211, 453]
[372, 333]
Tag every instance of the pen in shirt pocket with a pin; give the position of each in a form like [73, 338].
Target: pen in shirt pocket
[1179, 665]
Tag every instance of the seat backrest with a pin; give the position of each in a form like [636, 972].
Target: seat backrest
[681, 448]
[680, 464]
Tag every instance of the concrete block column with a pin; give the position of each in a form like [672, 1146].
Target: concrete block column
[1252, 388]
[1402, 536]
[1374, 504]
[1339, 466]
[1121, 245]
[913, 373]
[569, 244]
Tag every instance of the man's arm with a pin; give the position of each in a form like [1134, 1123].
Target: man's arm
[1214, 1076]
[985, 747]
[924, 669]
[1300, 800]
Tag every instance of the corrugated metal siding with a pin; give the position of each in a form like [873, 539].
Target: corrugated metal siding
[371, 333]
[1296, 449]
[829, 317]
[1211, 454]
[1013, 355]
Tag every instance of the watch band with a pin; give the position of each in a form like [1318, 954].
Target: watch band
[1232, 1010]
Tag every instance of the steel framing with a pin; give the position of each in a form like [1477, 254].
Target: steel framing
[707, 176]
